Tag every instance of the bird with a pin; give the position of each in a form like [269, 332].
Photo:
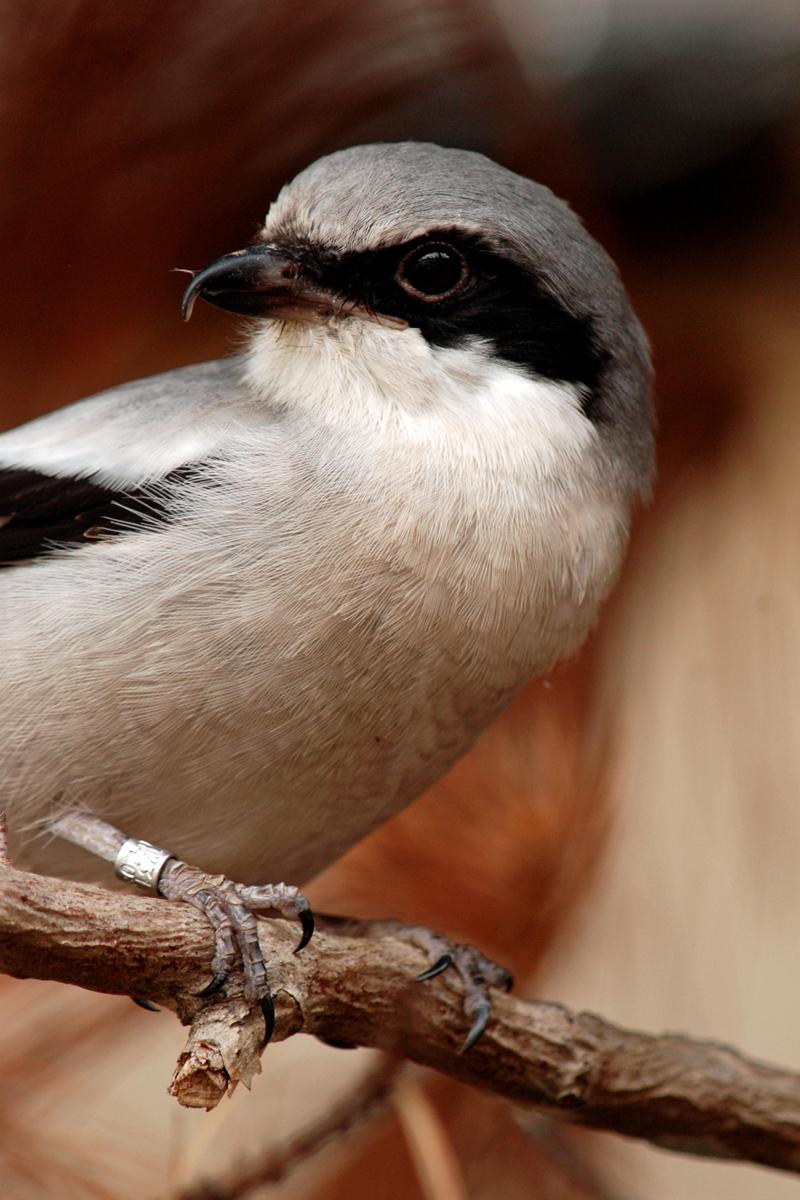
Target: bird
[252, 608]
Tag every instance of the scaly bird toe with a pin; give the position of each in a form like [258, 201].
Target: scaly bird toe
[231, 909]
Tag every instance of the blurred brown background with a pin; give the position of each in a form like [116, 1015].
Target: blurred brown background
[627, 836]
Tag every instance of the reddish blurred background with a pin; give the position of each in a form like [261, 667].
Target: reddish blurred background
[626, 837]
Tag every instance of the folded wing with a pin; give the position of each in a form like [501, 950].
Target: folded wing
[104, 466]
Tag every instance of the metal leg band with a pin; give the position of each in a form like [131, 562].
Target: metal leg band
[141, 863]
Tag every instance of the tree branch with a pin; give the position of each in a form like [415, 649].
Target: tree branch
[691, 1096]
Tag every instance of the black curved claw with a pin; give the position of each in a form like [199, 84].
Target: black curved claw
[307, 922]
[147, 1005]
[216, 985]
[435, 969]
[268, 1009]
[480, 1021]
[508, 980]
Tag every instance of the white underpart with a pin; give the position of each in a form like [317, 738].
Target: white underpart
[402, 537]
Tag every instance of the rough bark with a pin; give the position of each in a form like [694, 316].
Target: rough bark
[692, 1096]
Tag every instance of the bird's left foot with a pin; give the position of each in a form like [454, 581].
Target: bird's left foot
[477, 973]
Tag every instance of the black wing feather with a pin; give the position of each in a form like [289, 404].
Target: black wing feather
[40, 511]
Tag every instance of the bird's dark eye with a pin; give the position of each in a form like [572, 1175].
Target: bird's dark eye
[432, 271]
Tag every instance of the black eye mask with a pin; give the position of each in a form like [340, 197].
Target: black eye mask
[484, 296]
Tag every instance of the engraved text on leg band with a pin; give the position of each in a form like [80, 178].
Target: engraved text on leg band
[140, 862]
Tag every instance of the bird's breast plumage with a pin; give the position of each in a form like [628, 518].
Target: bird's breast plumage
[341, 607]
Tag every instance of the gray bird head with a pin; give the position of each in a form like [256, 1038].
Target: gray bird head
[467, 253]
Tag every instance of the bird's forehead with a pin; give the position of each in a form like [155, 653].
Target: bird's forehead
[373, 196]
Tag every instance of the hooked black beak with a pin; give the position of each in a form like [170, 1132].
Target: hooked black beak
[261, 281]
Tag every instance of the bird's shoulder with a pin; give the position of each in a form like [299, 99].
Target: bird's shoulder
[101, 463]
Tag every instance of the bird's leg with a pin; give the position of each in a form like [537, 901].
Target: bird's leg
[477, 973]
[230, 907]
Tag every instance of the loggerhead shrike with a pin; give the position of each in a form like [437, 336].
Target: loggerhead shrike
[252, 608]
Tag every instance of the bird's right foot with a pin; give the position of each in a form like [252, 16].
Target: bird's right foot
[231, 909]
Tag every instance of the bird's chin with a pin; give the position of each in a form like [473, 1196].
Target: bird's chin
[305, 310]
[311, 311]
